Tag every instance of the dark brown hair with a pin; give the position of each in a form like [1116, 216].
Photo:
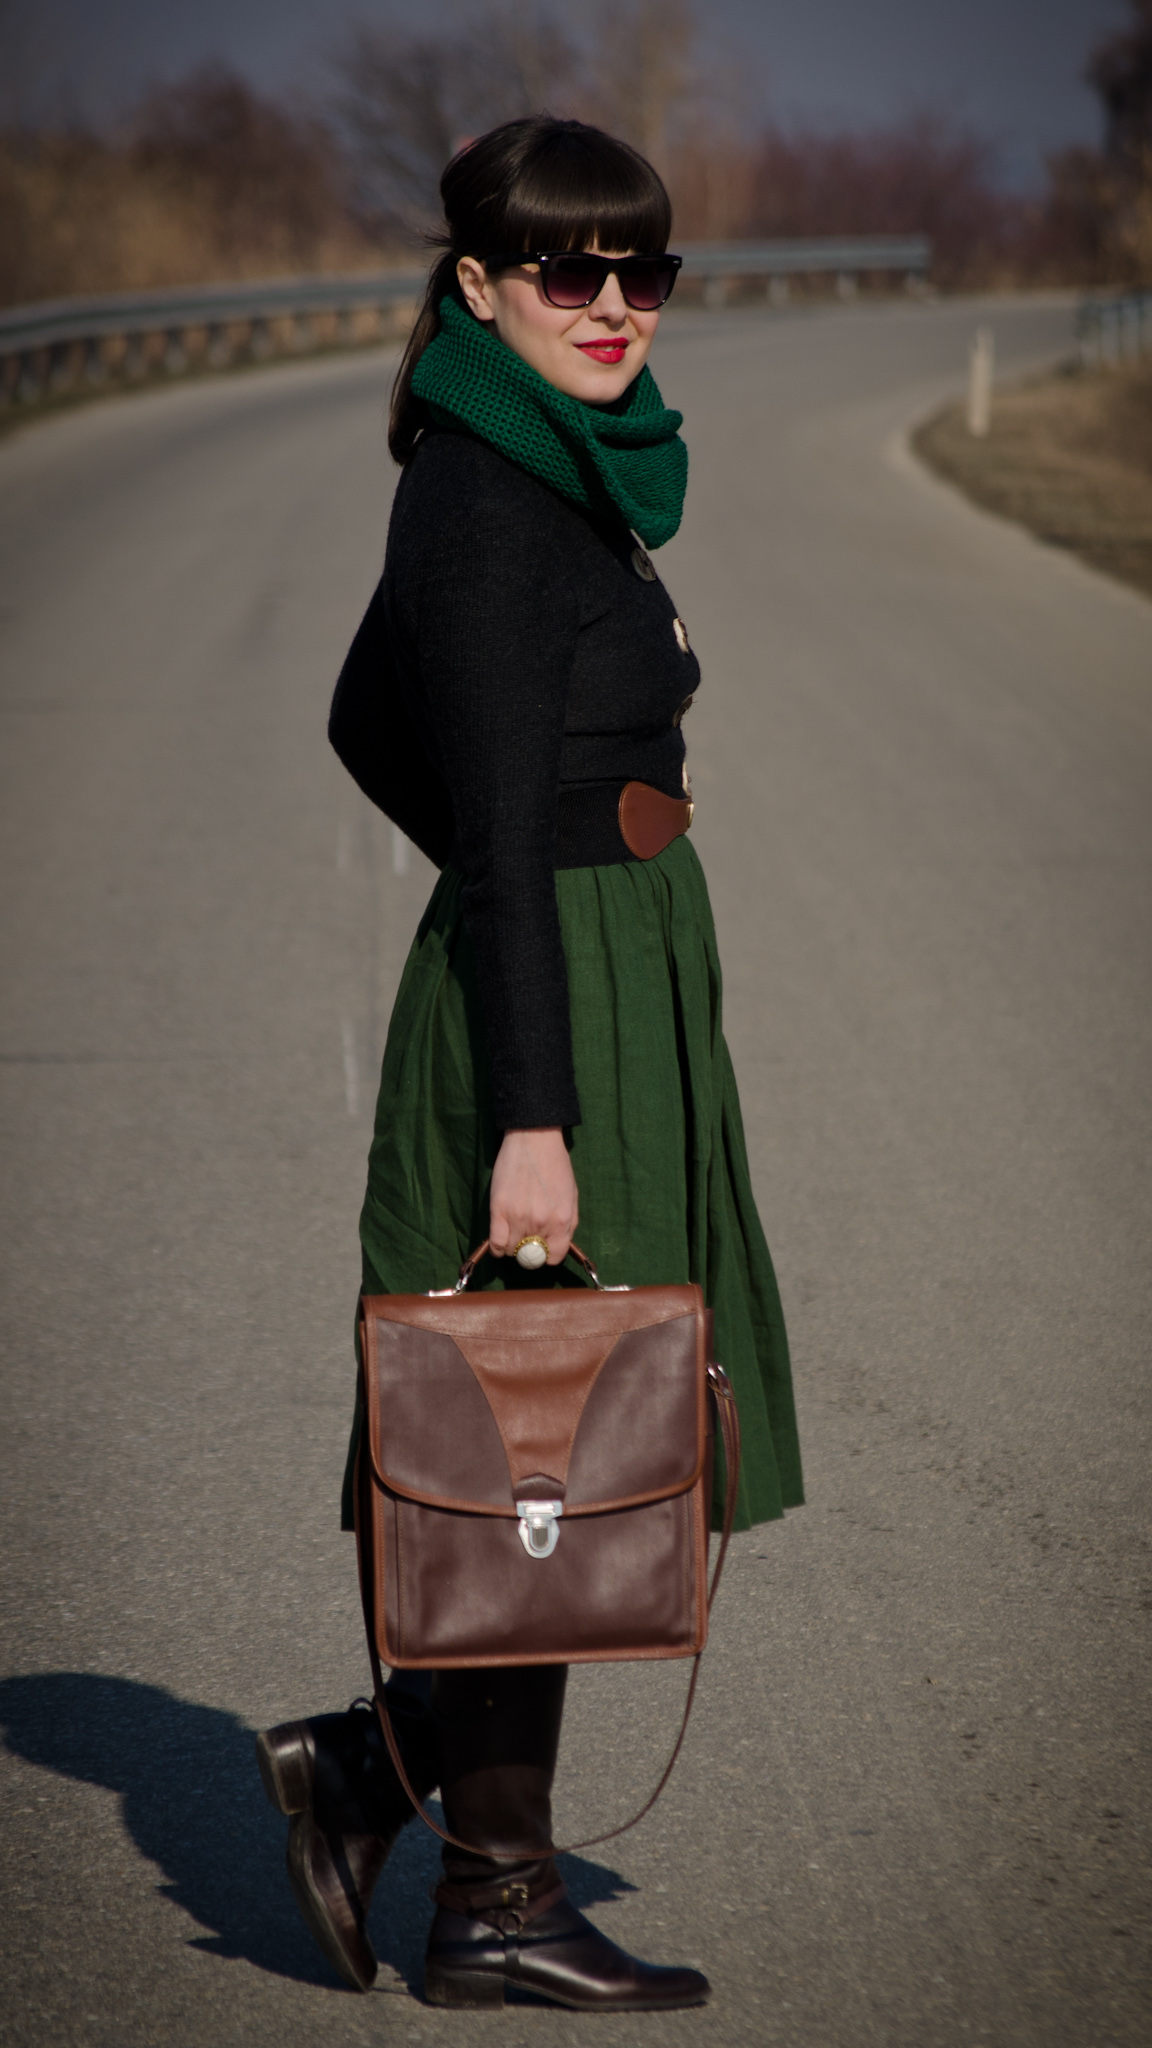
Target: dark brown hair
[532, 184]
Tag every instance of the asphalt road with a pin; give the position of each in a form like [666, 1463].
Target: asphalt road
[913, 1808]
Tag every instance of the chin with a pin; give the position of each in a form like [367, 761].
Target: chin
[601, 385]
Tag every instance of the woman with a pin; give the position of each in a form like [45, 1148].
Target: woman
[555, 1049]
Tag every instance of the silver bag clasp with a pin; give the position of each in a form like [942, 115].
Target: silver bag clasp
[539, 1525]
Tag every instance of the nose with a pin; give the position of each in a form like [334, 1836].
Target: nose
[609, 303]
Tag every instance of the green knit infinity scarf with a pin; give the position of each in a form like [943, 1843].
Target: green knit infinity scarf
[627, 455]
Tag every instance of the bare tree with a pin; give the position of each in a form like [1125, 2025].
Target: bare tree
[642, 70]
[1098, 215]
[406, 101]
[399, 108]
[266, 180]
[533, 63]
[1120, 70]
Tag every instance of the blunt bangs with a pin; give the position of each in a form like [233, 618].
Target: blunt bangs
[574, 186]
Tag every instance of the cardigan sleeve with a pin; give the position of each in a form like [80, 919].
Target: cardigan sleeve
[372, 731]
[493, 618]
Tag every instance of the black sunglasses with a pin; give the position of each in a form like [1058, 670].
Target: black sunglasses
[573, 278]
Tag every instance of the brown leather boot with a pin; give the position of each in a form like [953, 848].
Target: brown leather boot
[335, 1780]
[505, 1920]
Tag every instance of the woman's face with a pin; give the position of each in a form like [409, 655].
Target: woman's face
[593, 354]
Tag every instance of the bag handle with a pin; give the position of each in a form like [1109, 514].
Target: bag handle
[729, 1420]
[474, 1258]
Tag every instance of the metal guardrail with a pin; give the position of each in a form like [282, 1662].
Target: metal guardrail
[1115, 330]
[61, 344]
[847, 258]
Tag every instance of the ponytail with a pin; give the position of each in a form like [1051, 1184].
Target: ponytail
[408, 415]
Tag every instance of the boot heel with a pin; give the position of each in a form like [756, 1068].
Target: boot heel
[462, 1987]
[285, 1767]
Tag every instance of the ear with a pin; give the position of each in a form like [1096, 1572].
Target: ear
[476, 287]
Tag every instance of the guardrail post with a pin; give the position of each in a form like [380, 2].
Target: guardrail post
[779, 291]
[30, 381]
[135, 362]
[61, 367]
[219, 351]
[303, 332]
[846, 285]
[95, 367]
[1099, 343]
[175, 351]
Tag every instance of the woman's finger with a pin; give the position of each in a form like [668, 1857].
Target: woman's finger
[506, 1231]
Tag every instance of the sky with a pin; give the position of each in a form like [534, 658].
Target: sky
[1010, 68]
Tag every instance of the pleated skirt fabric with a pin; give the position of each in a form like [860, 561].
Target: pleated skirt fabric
[659, 1157]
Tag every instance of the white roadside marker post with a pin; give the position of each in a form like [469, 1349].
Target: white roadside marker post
[981, 363]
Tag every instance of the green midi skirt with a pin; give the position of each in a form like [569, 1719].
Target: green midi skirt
[659, 1157]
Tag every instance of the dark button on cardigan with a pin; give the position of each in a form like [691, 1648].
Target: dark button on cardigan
[510, 652]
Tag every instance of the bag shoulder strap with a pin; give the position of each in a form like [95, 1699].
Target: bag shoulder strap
[729, 1421]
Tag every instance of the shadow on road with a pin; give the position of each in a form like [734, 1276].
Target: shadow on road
[192, 1803]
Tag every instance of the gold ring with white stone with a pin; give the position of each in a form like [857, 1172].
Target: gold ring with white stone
[531, 1253]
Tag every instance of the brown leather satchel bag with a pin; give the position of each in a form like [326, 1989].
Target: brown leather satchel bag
[534, 1478]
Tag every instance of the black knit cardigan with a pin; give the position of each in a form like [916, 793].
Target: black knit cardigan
[512, 650]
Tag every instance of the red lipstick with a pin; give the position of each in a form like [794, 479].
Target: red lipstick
[603, 351]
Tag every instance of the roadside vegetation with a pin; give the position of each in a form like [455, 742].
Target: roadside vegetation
[208, 179]
[1067, 455]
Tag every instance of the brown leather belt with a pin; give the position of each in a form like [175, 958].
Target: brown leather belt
[601, 823]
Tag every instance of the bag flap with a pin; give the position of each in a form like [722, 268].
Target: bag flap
[476, 1401]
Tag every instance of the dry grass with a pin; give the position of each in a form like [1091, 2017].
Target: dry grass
[78, 216]
[1069, 456]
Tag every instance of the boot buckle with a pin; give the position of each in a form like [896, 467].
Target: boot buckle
[539, 1525]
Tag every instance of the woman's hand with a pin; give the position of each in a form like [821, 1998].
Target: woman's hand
[533, 1193]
